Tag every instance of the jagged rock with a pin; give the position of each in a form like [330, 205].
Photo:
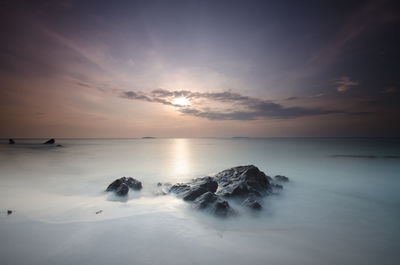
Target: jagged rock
[252, 203]
[244, 183]
[50, 141]
[121, 186]
[11, 141]
[204, 200]
[122, 189]
[214, 203]
[281, 178]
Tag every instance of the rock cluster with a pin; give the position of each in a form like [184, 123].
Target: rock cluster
[246, 184]
[122, 185]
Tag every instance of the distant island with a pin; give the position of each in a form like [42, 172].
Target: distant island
[148, 137]
[240, 137]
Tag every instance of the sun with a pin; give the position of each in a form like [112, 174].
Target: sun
[183, 102]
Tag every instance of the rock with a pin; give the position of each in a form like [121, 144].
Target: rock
[9, 212]
[121, 186]
[221, 208]
[50, 141]
[122, 189]
[215, 204]
[205, 200]
[244, 183]
[251, 203]
[99, 211]
[11, 141]
[281, 178]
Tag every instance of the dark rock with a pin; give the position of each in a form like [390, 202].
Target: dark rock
[252, 203]
[99, 211]
[122, 189]
[244, 183]
[9, 212]
[205, 200]
[50, 141]
[215, 204]
[193, 193]
[11, 141]
[121, 186]
[221, 208]
[281, 178]
[179, 188]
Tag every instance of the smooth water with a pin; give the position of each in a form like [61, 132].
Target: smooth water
[336, 209]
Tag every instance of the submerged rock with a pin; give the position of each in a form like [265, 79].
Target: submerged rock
[281, 178]
[122, 185]
[246, 184]
[50, 141]
[11, 141]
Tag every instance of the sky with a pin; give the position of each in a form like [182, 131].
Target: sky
[110, 69]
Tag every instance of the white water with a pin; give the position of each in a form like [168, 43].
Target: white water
[335, 210]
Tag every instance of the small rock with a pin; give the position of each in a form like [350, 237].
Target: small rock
[11, 141]
[99, 211]
[121, 186]
[9, 212]
[50, 141]
[281, 178]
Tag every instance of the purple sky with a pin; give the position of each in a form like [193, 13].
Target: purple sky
[199, 68]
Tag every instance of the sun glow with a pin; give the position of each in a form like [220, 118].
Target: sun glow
[183, 102]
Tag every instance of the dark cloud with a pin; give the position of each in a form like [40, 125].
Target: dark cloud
[291, 98]
[241, 107]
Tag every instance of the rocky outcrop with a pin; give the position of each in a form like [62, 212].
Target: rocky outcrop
[122, 185]
[281, 178]
[11, 141]
[50, 141]
[245, 184]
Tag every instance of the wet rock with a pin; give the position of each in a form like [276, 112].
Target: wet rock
[205, 200]
[193, 193]
[122, 185]
[122, 190]
[50, 141]
[281, 178]
[213, 203]
[252, 203]
[244, 183]
[221, 208]
[9, 212]
[11, 141]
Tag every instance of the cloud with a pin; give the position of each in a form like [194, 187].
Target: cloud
[291, 98]
[228, 105]
[345, 83]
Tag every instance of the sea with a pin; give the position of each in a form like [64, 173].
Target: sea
[340, 206]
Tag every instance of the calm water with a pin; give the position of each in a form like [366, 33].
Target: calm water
[337, 209]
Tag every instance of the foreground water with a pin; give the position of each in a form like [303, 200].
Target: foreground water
[342, 205]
